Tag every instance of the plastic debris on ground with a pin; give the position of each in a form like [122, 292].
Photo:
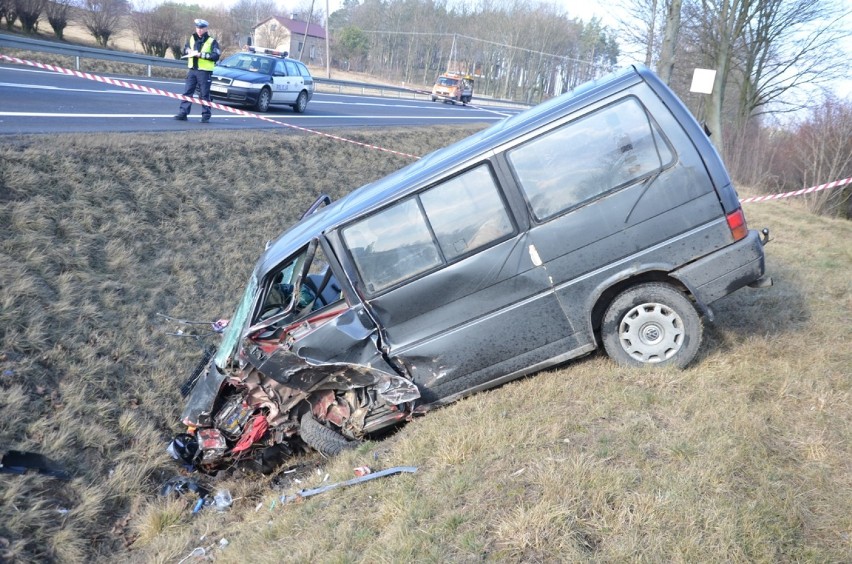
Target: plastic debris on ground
[380, 474]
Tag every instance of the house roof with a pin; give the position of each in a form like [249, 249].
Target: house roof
[296, 27]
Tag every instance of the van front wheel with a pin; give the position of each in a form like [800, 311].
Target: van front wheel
[321, 438]
[651, 324]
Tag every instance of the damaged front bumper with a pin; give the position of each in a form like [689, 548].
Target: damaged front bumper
[260, 404]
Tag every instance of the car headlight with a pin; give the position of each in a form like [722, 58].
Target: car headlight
[244, 84]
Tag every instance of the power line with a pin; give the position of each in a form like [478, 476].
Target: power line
[442, 34]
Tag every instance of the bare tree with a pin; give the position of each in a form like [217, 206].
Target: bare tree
[789, 43]
[102, 18]
[647, 14]
[159, 28]
[824, 154]
[7, 12]
[766, 49]
[273, 38]
[57, 15]
[309, 11]
[29, 12]
[246, 14]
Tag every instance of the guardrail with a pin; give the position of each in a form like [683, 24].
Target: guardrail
[12, 41]
[80, 52]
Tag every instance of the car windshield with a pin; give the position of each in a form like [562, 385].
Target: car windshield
[249, 62]
[444, 81]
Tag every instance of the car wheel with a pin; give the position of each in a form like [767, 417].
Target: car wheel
[651, 324]
[263, 99]
[434, 98]
[321, 438]
[301, 102]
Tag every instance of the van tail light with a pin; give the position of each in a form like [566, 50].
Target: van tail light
[737, 224]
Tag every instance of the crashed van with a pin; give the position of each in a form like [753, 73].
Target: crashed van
[603, 218]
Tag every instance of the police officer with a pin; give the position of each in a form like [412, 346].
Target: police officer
[201, 52]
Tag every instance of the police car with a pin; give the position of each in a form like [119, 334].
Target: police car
[261, 77]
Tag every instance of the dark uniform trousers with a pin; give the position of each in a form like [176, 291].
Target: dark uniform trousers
[200, 80]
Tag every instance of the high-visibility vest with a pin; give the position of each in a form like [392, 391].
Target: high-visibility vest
[203, 64]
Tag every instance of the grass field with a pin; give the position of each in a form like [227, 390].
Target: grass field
[744, 456]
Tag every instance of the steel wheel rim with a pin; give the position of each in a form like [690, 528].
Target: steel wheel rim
[651, 332]
[265, 97]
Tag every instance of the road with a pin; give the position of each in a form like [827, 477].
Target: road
[39, 101]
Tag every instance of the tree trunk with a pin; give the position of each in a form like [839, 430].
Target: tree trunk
[667, 52]
[652, 32]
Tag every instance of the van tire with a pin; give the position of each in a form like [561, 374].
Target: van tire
[321, 438]
[651, 324]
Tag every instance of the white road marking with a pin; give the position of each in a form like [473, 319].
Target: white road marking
[284, 118]
[41, 87]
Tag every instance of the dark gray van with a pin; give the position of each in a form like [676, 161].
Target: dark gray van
[601, 217]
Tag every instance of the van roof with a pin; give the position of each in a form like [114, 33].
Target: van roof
[412, 177]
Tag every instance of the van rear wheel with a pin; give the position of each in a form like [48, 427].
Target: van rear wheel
[651, 324]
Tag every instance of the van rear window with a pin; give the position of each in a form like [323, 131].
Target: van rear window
[590, 156]
[446, 222]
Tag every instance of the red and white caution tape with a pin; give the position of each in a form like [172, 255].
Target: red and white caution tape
[146, 89]
[826, 186]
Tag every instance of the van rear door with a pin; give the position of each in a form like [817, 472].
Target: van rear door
[611, 197]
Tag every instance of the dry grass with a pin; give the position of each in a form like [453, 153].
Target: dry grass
[742, 457]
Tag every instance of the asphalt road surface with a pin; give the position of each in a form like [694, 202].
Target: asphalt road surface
[39, 101]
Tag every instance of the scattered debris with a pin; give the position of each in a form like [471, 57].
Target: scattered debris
[380, 474]
[196, 552]
[223, 500]
[181, 485]
[18, 462]
[362, 471]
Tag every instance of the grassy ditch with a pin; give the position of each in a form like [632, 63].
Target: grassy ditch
[742, 457]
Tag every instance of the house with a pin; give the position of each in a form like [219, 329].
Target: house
[292, 35]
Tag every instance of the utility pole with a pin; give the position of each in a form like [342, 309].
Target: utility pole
[327, 58]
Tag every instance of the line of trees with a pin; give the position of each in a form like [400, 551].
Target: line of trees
[516, 49]
[774, 60]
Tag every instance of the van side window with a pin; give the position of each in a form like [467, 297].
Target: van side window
[392, 245]
[585, 158]
[447, 221]
[466, 212]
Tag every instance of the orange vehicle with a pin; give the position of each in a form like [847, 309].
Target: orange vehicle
[453, 87]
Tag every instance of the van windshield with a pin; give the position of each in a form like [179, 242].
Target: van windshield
[233, 331]
[444, 81]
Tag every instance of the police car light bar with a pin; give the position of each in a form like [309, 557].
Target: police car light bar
[265, 51]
